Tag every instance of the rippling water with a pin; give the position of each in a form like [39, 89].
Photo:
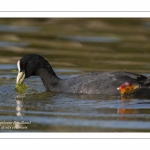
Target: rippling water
[73, 47]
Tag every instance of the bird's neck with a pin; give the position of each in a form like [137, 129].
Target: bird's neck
[49, 78]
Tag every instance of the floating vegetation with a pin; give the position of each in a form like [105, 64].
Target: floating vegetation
[14, 71]
[21, 88]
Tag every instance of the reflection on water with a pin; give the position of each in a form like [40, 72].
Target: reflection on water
[12, 28]
[67, 112]
[73, 47]
[91, 39]
[18, 112]
[7, 66]
[19, 105]
[7, 44]
[18, 108]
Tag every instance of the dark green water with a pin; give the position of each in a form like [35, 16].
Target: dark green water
[73, 47]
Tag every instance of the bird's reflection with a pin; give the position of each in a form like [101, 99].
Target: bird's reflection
[125, 111]
[19, 109]
[19, 104]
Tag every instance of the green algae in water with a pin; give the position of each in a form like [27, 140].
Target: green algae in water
[21, 88]
[14, 71]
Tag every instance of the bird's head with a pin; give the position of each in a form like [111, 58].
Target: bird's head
[27, 66]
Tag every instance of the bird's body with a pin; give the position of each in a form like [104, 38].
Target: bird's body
[94, 83]
[100, 82]
[90, 83]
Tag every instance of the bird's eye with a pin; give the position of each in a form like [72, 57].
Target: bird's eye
[23, 65]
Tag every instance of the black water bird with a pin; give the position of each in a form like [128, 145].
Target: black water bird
[90, 83]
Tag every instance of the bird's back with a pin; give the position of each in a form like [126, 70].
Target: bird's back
[99, 82]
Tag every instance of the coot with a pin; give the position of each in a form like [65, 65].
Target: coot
[110, 83]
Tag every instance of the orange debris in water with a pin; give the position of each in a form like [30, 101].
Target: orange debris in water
[125, 111]
[126, 88]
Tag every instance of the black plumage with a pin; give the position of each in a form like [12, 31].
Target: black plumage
[91, 83]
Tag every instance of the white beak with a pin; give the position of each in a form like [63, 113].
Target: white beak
[20, 78]
[21, 75]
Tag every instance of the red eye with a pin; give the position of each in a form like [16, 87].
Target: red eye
[23, 65]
